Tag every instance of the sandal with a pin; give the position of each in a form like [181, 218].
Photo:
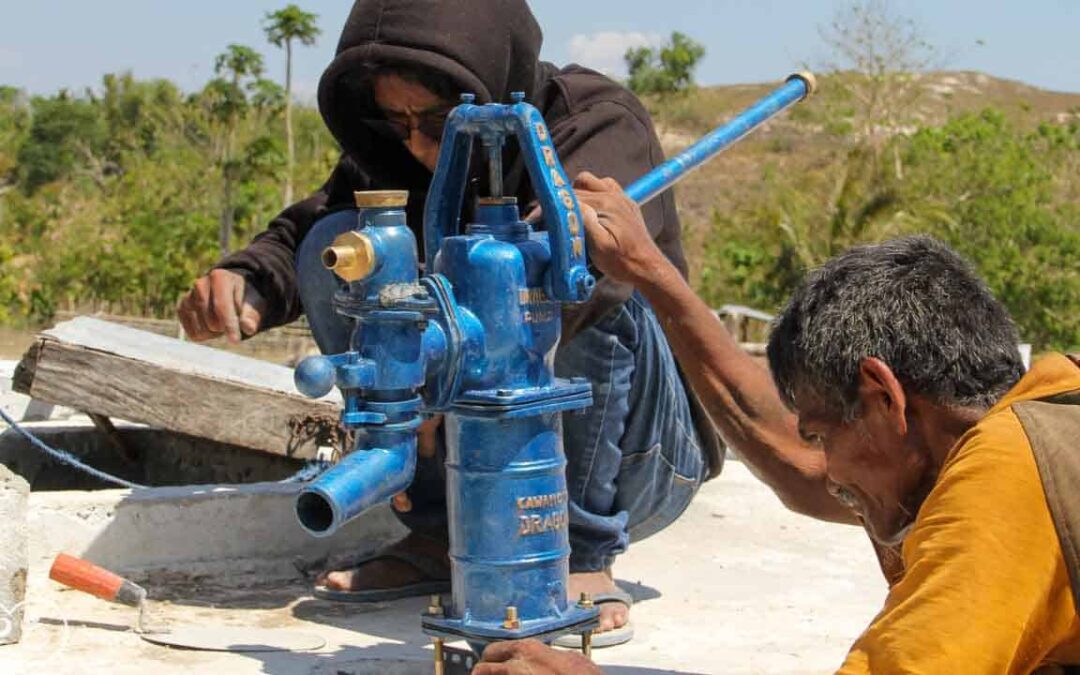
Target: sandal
[611, 638]
[434, 571]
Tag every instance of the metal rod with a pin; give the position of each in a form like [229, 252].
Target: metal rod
[440, 664]
[495, 168]
[795, 88]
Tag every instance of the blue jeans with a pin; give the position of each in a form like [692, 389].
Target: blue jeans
[634, 461]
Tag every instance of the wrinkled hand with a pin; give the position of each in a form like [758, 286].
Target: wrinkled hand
[531, 657]
[221, 303]
[619, 243]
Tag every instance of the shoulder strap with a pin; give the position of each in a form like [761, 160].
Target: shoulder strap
[1052, 426]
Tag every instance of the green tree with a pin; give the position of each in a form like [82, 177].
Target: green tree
[117, 209]
[65, 135]
[239, 71]
[991, 191]
[1003, 197]
[665, 70]
[14, 124]
[282, 28]
[239, 63]
[138, 115]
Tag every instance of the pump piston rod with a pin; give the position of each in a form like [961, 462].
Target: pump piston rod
[796, 88]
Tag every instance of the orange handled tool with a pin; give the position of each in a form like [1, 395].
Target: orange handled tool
[89, 578]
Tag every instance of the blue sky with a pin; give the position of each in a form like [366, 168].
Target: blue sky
[48, 44]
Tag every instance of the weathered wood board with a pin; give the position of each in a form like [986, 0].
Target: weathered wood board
[109, 369]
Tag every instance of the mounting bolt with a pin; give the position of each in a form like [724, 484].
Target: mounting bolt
[585, 601]
[517, 96]
[468, 98]
[440, 659]
[511, 621]
[435, 606]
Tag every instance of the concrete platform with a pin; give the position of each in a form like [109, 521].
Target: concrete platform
[738, 585]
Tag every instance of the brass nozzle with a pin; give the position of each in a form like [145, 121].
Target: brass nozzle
[351, 256]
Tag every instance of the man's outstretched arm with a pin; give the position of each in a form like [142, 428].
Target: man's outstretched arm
[738, 394]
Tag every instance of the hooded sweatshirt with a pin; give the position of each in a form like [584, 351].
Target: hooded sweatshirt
[489, 48]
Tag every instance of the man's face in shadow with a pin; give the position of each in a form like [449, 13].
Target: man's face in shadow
[414, 114]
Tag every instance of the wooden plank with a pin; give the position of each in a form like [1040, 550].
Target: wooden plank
[114, 370]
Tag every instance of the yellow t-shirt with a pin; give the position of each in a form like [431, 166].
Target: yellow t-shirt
[985, 587]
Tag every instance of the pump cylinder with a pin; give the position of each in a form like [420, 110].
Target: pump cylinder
[509, 519]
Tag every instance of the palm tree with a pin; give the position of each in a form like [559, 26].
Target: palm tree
[235, 67]
[282, 27]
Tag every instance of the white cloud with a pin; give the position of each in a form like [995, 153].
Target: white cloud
[604, 51]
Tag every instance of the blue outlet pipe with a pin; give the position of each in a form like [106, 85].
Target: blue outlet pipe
[368, 476]
[795, 88]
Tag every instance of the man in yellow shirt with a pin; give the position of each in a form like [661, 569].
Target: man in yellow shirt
[911, 416]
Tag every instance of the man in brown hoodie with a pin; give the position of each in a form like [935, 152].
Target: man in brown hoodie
[637, 457]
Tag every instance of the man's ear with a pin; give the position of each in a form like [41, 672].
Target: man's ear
[881, 396]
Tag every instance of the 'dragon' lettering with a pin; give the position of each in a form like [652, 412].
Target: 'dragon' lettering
[539, 524]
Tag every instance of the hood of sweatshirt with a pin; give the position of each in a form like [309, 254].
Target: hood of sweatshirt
[489, 48]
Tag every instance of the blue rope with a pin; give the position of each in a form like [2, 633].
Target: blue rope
[308, 472]
[66, 457]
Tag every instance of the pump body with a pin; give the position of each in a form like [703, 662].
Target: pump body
[474, 339]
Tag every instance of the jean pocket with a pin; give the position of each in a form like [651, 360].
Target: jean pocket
[653, 492]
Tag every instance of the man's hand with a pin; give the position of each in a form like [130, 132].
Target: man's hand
[619, 244]
[221, 303]
[531, 657]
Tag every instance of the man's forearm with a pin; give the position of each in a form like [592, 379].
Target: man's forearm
[740, 397]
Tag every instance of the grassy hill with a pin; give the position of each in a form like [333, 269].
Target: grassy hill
[801, 139]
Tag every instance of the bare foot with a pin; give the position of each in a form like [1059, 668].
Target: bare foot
[612, 614]
[388, 572]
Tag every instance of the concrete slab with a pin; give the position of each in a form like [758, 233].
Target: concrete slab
[13, 553]
[198, 531]
[738, 585]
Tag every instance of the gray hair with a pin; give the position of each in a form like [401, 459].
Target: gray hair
[911, 302]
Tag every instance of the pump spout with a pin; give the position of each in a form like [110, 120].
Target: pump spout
[368, 476]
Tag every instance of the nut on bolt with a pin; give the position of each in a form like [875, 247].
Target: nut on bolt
[511, 621]
[351, 256]
[435, 606]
